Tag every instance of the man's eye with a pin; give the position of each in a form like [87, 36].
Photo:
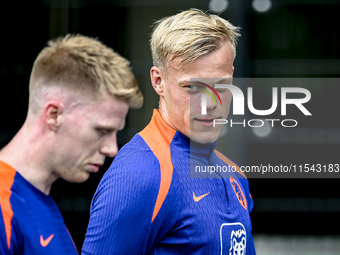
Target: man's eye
[221, 90]
[195, 87]
[102, 131]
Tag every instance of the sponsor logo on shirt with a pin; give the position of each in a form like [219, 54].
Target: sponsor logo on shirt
[196, 199]
[45, 242]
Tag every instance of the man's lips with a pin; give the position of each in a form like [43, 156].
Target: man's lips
[207, 122]
[95, 166]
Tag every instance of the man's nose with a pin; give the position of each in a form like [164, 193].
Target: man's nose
[110, 147]
[208, 103]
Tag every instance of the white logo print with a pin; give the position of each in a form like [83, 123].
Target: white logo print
[233, 239]
[237, 247]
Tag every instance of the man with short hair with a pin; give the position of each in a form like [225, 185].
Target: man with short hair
[148, 202]
[80, 93]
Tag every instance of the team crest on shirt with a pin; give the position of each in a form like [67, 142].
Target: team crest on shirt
[239, 193]
[233, 239]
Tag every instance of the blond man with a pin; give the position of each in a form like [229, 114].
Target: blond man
[147, 202]
[80, 92]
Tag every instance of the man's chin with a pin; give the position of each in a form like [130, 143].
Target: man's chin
[204, 139]
[79, 178]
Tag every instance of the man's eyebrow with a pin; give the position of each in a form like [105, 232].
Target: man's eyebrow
[204, 81]
[185, 81]
[109, 128]
[224, 81]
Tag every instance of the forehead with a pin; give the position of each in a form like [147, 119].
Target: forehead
[218, 63]
[106, 110]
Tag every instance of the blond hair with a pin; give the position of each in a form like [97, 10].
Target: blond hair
[190, 34]
[82, 62]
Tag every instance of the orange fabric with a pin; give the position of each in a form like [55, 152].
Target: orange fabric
[158, 135]
[229, 162]
[7, 174]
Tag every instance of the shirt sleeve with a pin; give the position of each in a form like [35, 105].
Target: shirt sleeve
[122, 207]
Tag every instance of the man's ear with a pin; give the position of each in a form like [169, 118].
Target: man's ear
[157, 80]
[52, 114]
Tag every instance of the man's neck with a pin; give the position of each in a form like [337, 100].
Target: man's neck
[25, 155]
[164, 114]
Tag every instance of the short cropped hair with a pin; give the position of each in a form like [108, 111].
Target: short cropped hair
[190, 34]
[81, 62]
